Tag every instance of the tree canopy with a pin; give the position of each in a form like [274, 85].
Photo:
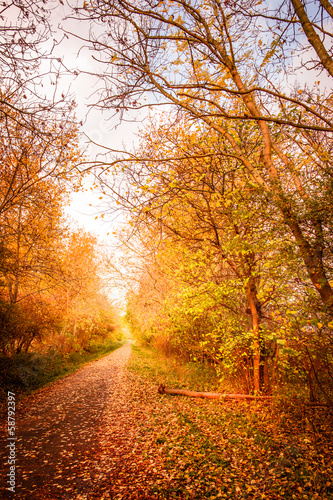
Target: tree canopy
[226, 196]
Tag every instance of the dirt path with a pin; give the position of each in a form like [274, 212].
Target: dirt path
[105, 433]
[66, 431]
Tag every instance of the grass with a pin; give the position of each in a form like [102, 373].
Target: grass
[173, 372]
[234, 450]
[64, 365]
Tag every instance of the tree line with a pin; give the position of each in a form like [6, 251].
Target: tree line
[228, 193]
[51, 292]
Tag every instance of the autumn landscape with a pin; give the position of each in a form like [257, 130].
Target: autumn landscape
[166, 249]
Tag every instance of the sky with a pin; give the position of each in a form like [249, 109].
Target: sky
[85, 209]
[98, 127]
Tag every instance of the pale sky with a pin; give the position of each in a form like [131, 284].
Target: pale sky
[85, 208]
[100, 127]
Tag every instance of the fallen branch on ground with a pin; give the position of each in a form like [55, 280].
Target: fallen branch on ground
[317, 405]
[212, 395]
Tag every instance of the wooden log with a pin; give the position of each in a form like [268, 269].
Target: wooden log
[317, 405]
[211, 395]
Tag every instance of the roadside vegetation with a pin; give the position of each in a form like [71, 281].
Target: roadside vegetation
[218, 449]
[29, 371]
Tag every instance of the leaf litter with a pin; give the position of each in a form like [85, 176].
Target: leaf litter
[105, 433]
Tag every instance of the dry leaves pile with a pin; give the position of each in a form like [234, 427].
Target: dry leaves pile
[106, 433]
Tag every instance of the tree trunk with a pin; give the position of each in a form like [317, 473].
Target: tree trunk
[327, 6]
[312, 258]
[276, 357]
[255, 308]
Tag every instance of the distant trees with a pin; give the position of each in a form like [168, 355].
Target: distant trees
[51, 293]
[79, 305]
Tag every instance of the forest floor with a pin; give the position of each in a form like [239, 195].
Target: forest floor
[105, 433]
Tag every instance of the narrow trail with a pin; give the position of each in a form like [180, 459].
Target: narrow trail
[66, 433]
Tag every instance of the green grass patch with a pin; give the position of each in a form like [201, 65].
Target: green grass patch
[173, 372]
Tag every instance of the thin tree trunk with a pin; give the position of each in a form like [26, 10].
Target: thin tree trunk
[16, 284]
[255, 307]
[275, 367]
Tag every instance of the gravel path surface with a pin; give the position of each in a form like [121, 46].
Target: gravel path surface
[77, 438]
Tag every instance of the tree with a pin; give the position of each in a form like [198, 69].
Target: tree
[198, 57]
[25, 35]
[206, 248]
[194, 202]
[30, 231]
[37, 174]
[35, 177]
[27, 158]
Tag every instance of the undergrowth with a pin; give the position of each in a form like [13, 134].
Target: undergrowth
[173, 372]
[236, 449]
